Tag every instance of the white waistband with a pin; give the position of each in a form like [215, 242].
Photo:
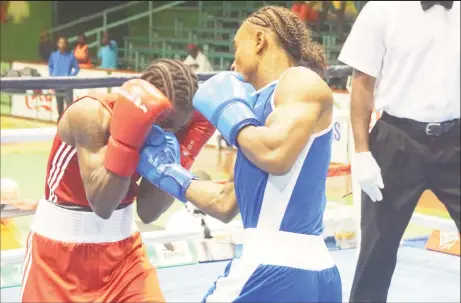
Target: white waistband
[286, 249]
[61, 224]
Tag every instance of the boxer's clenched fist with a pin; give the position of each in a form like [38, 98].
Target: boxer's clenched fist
[139, 105]
[160, 163]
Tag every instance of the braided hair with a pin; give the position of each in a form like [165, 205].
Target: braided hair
[175, 80]
[293, 35]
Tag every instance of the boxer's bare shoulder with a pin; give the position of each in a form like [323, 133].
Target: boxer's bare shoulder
[307, 100]
[302, 88]
[85, 122]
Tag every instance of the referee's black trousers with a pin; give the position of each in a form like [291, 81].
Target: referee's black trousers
[411, 161]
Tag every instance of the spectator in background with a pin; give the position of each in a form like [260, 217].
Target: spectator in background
[350, 9]
[45, 47]
[63, 63]
[81, 52]
[337, 12]
[4, 11]
[196, 60]
[107, 54]
[343, 11]
[306, 11]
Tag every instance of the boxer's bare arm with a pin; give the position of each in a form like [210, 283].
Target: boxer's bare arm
[363, 87]
[302, 108]
[216, 200]
[85, 125]
[151, 201]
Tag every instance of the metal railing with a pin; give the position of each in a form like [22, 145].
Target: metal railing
[103, 14]
[149, 13]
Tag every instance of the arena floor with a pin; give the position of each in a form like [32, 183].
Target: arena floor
[421, 275]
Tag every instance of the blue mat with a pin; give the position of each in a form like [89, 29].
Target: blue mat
[421, 276]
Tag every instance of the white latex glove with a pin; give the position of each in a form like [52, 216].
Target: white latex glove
[369, 175]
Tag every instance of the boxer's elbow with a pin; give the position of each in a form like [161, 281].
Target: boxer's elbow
[275, 160]
[148, 216]
[276, 163]
[228, 210]
[278, 169]
[102, 212]
[223, 215]
[146, 219]
[151, 202]
[101, 205]
[105, 191]
[226, 217]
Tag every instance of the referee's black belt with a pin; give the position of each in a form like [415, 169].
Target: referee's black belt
[430, 129]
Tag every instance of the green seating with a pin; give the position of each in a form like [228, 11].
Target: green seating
[162, 42]
[216, 41]
[229, 20]
[172, 40]
[217, 34]
[158, 39]
[220, 60]
[167, 53]
[212, 30]
[163, 29]
[221, 55]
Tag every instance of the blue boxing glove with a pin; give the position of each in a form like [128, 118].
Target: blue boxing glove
[224, 100]
[160, 163]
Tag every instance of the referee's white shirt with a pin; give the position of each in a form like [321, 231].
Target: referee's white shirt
[414, 54]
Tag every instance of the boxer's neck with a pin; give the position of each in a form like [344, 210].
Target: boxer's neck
[271, 68]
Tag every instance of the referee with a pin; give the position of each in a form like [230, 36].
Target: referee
[406, 60]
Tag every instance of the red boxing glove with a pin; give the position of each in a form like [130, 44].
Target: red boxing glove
[139, 105]
[192, 138]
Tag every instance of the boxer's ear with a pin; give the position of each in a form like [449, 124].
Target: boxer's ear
[261, 41]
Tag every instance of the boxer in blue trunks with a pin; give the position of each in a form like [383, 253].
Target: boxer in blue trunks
[278, 112]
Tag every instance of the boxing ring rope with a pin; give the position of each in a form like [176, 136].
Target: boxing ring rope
[13, 85]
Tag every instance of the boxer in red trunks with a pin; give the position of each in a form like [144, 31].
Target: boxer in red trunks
[84, 245]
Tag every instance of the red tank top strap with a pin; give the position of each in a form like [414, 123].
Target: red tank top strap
[109, 105]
